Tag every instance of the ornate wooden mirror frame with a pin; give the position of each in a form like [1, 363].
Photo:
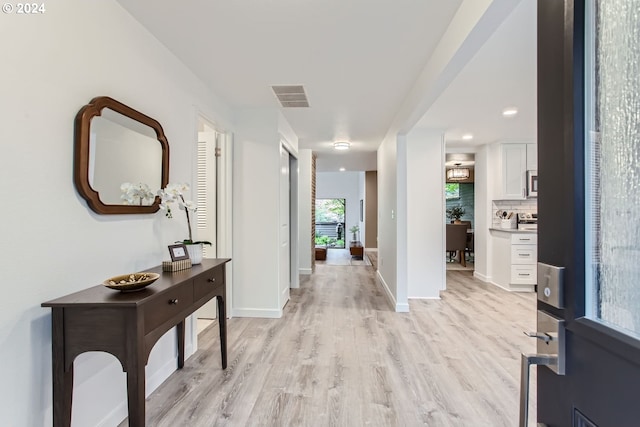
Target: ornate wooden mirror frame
[83, 160]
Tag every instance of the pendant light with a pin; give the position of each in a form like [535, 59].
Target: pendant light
[457, 173]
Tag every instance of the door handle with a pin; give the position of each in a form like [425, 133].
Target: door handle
[540, 335]
[526, 361]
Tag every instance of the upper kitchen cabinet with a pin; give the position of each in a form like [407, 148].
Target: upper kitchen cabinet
[532, 157]
[513, 160]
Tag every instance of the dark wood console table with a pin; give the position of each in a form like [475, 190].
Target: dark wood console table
[356, 249]
[128, 325]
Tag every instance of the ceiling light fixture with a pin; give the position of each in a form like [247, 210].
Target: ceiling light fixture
[467, 136]
[341, 145]
[510, 112]
[458, 173]
[342, 169]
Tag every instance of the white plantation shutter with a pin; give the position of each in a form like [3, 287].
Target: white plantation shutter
[206, 191]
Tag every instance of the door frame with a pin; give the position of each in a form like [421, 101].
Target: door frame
[224, 210]
[294, 256]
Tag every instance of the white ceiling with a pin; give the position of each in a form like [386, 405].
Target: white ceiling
[358, 61]
[502, 74]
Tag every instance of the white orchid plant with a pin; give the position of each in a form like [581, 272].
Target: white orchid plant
[174, 193]
[136, 194]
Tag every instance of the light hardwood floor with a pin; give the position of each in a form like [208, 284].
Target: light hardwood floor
[341, 357]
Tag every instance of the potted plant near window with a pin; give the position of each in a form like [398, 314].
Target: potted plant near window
[355, 230]
[454, 213]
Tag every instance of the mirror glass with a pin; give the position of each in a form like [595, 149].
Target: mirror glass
[123, 151]
[121, 158]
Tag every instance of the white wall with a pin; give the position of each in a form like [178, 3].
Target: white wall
[304, 210]
[256, 188]
[342, 185]
[424, 214]
[387, 226]
[54, 64]
[361, 196]
[482, 215]
[256, 175]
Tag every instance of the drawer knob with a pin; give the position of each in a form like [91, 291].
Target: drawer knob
[211, 280]
[173, 301]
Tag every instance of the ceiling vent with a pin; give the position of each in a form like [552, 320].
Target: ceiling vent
[291, 96]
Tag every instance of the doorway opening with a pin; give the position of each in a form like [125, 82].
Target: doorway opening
[210, 190]
[460, 212]
[330, 223]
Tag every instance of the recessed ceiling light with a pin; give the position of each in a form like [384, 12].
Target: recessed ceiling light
[467, 136]
[342, 169]
[341, 145]
[510, 112]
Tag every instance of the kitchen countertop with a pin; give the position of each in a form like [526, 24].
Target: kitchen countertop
[513, 230]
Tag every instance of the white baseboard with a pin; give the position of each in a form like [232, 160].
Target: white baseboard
[159, 376]
[481, 277]
[515, 288]
[257, 312]
[305, 271]
[500, 286]
[402, 308]
[432, 298]
[398, 307]
[121, 411]
[116, 416]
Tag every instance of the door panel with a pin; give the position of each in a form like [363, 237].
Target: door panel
[285, 253]
[206, 201]
[602, 379]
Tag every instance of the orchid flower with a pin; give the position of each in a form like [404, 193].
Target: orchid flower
[174, 193]
[135, 193]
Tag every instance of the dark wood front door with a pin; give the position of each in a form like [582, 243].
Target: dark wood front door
[589, 206]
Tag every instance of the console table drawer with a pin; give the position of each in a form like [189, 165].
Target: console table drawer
[205, 284]
[167, 306]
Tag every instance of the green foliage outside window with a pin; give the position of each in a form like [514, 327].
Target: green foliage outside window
[452, 191]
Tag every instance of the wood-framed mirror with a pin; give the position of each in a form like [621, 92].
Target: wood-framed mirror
[118, 152]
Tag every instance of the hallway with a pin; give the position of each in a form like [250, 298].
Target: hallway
[340, 357]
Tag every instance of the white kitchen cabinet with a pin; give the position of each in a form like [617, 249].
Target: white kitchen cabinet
[515, 256]
[514, 168]
[532, 157]
[515, 160]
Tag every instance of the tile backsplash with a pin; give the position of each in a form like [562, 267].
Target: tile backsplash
[515, 206]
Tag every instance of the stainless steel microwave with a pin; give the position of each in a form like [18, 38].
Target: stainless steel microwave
[532, 183]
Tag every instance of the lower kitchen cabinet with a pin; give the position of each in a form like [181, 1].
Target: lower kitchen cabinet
[514, 259]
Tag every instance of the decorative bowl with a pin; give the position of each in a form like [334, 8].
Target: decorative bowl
[131, 282]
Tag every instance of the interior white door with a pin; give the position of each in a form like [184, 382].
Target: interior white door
[285, 253]
[206, 201]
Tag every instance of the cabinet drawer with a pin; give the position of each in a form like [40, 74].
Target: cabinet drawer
[524, 254]
[524, 239]
[166, 306]
[206, 283]
[524, 274]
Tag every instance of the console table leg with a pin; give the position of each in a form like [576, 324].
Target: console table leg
[62, 378]
[135, 394]
[181, 333]
[222, 321]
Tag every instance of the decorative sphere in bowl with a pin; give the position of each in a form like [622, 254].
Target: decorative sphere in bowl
[131, 282]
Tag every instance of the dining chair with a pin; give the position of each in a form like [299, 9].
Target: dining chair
[469, 248]
[457, 240]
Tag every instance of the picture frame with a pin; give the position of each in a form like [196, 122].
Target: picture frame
[178, 252]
